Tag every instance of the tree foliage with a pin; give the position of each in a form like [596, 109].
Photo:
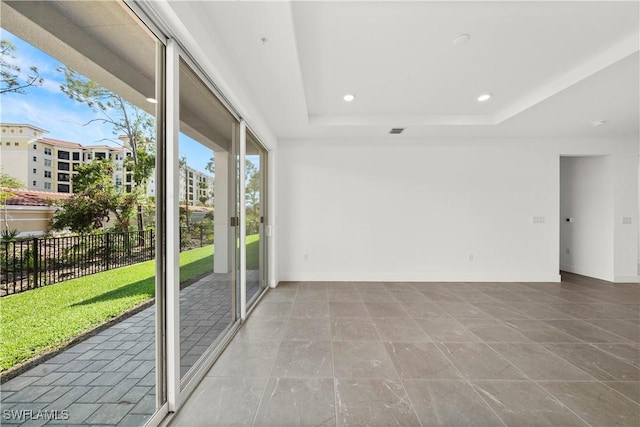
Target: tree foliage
[128, 122]
[12, 77]
[8, 182]
[95, 199]
[252, 189]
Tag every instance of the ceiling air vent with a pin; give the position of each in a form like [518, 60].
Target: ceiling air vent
[396, 130]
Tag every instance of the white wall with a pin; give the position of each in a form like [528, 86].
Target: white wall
[586, 196]
[417, 210]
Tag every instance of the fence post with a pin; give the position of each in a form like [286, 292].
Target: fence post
[201, 236]
[36, 259]
[107, 249]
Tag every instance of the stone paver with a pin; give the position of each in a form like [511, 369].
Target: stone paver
[109, 379]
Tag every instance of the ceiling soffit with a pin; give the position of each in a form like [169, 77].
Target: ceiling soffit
[402, 55]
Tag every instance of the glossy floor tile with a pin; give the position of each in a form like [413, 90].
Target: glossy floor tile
[429, 354]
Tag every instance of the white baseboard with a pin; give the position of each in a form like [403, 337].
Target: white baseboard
[415, 277]
[627, 279]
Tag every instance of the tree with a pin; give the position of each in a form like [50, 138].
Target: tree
[7, 182]
[202, 199]
[129, 123]
[211, 168]
[252, 189]
[94, 200]
[12, 78]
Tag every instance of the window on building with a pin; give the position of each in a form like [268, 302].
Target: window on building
[63, 188]
[47, 186]
[101, 155]
[47, 151]
[64, 177]
[64, 155]
[35, 159]
[89, 156]
[7, 143]
[16, 143]
[128, 189]
[35, 146]
[47, 162]
[76, 156]
[63, 166]
[47, 174]
[128, 178]
[35, 183]
[35, 171]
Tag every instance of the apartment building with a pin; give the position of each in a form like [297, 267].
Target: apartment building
[196, 187]
[47, 164]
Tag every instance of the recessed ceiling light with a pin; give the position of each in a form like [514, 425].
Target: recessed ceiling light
[597, 123]
[152, 100]
[462, 39]
[349, 97]
[484, 97]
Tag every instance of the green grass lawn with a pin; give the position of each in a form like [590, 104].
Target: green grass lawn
[43, 319]
[253, 251]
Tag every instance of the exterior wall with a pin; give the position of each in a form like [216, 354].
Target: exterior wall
[16, 152]
[29, 220]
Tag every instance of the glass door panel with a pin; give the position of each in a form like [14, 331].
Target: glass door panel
[207, 204]
[86, 108]
[255, 218]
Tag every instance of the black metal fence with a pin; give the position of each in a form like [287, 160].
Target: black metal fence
[30, 264]
[33, 263]
[196, 236]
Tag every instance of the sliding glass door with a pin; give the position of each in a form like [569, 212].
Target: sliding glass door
[207, 206]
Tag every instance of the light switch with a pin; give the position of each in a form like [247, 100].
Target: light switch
[538, 220]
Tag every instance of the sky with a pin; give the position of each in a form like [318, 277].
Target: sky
[47, 107]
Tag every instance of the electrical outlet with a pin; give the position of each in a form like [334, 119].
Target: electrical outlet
[470, 257]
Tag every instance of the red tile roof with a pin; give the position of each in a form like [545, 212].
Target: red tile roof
[33, 198]
[62, 143]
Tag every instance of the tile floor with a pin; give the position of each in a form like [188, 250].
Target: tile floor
[430, 354]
